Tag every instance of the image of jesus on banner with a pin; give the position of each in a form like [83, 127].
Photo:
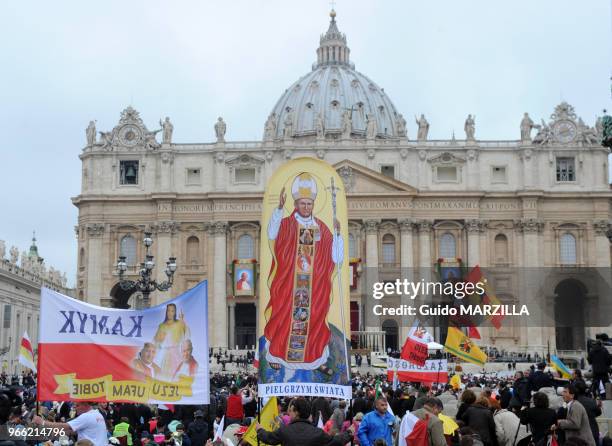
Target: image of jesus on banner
[305, 253]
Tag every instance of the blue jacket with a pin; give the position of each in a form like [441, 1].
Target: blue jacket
[375, 426]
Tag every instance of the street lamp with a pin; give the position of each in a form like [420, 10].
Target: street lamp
[145, 284]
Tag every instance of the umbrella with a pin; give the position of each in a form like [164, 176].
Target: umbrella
[434, 346]
[448, 424]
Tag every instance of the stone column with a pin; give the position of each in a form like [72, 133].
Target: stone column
[602, 244]
[218, 230]
[162, 251]
[219, 161]
[425, 228]
[257, 323]
[406, 270]
[472, 169]
[95, 257]
[474, 228]
[527, 158]
[531, 229]
[425, 262]
[3, 333]
[232, 324]
[372, 322]
[166, 171]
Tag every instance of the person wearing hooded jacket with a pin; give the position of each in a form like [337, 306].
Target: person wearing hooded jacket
[198, 429]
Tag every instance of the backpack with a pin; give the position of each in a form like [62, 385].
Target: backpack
[419, 435]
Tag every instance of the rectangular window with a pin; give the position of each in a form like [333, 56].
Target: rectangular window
[244, 175]
[7, 316]
[566, 169]
[128, 172]
[193, 176]
[498, 174]
[446, 173]
[388, 171]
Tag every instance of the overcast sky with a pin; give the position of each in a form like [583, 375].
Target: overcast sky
[65, 63]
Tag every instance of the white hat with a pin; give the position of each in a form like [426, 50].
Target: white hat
[304, 186]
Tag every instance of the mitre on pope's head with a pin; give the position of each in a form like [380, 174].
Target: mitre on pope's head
[304, 186]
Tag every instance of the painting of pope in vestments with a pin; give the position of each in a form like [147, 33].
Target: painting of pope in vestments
[305, 322]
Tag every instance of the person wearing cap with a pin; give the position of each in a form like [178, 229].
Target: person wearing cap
[198, 429]
[430, 410]
[88, 425]
[318, 249]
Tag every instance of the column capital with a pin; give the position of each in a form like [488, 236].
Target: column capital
[529, 225]
[475, 225]
[405, 224]
[424, 225]
[371, 226]
[165, 227]
[218, 228]
[601, 227]
[94, 229]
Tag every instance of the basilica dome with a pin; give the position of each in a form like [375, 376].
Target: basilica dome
[334, 99]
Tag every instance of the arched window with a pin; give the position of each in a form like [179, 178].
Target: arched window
[352, 246]
[448, 246]
[501, 248]
[246, 247]
[388, 248]
[82, 258]
[193, 250]
[127, 249]
[567, 249]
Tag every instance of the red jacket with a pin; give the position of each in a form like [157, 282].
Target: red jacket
[234, 407]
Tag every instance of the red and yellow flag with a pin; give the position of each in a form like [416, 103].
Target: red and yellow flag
[488, 298]
[460, 345]
[26, 353]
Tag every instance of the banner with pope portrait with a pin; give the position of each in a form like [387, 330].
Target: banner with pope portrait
[304, 283]
[153, 355]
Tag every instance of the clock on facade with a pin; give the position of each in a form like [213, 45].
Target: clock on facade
[129, 135]
[565, 131]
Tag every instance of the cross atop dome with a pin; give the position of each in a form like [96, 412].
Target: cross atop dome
[332, 46]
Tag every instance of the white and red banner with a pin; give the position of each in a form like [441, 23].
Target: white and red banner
[415, 347]
[433, 371]
[155, 355]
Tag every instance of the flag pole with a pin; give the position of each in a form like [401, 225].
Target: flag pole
[333, 190]
[258, 416]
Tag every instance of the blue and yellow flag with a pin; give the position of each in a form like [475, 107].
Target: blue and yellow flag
[558, 365]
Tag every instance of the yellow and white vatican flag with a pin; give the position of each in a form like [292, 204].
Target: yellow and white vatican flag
[268, 420]
[26, 353]
[304, 283]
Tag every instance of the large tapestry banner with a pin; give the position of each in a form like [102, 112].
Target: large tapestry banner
[304, 283]
[155, 355]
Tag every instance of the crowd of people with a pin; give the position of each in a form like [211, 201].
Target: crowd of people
[528, 409]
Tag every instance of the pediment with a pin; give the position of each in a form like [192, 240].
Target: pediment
[361, 179]
[446, 158]
[244, 160]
